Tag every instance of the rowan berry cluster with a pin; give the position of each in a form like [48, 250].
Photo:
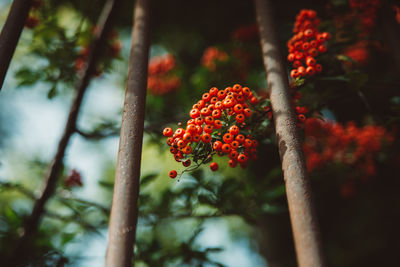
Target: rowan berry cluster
[306, 43]
[73, 179]
[367, 12]
[223, 123]
[211, 56]
[161, 79]
[328, 142]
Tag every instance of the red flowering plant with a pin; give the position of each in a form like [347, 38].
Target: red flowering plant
[223, 123]
[161, 76]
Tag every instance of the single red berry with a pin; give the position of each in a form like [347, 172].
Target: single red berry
[205, 112]
[216, 114]
[206, 138]
[187, 150]
[199, 120]
[206, 97]
[240, 138]
[226, 148]
[214, 166]
[213, 91]
[228, 138]
[240, 118]
[187, 137]
[209, 120]
[168, 132]
[233, 130]
[186, 163]
[291, 57]
[217, 145]
[238, 108]
[248, 143]
[310, 70]
[301, 117]
[208, 128]
[322, 48]
[191, 128]
[310, 61]
[318, 68]
[194, 113]
[196, 138]
[232, 163]
[173, 174]
[217, 124]
[242, 158]
[179, 132]
[235, 144]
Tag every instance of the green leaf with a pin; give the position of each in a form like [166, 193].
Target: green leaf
[52, 92]
[148, 178]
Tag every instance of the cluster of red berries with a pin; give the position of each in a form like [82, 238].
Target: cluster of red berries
[328, 142]
[366, 10]
[32, 21]
[73, 179]
[211, 56]
[220, 124]
[161, 79]
[306, 43]
[114, 46]
[246, 33]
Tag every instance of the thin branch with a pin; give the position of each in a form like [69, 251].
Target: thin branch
[124, 210]
[18, 187]
[11, 32]
[301, 207]
[98, 45]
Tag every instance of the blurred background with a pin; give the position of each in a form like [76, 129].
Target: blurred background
[233, 217]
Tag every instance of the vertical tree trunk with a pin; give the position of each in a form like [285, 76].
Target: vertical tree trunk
[98, 45]
[11, 32]
[303, 219]
[124, 210]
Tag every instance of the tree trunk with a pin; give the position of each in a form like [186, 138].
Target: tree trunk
[124, 210]
[11, 32]
[301, 208]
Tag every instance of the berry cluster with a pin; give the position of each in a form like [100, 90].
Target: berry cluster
[161, 79]
[358, 52]
[367, 12]
[306, 43]
[223, 122]
[246, 33]
[212, 55]
[32, 21]
[114, 46]
[73, 179]
[327, 142]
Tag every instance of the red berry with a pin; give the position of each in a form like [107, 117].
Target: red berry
[217, 124]
[233, 130]
[168, 132]
[228, 138]
[206, 138]
[186, 163]
[173, 174]
[242, 158]
[214, 166]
